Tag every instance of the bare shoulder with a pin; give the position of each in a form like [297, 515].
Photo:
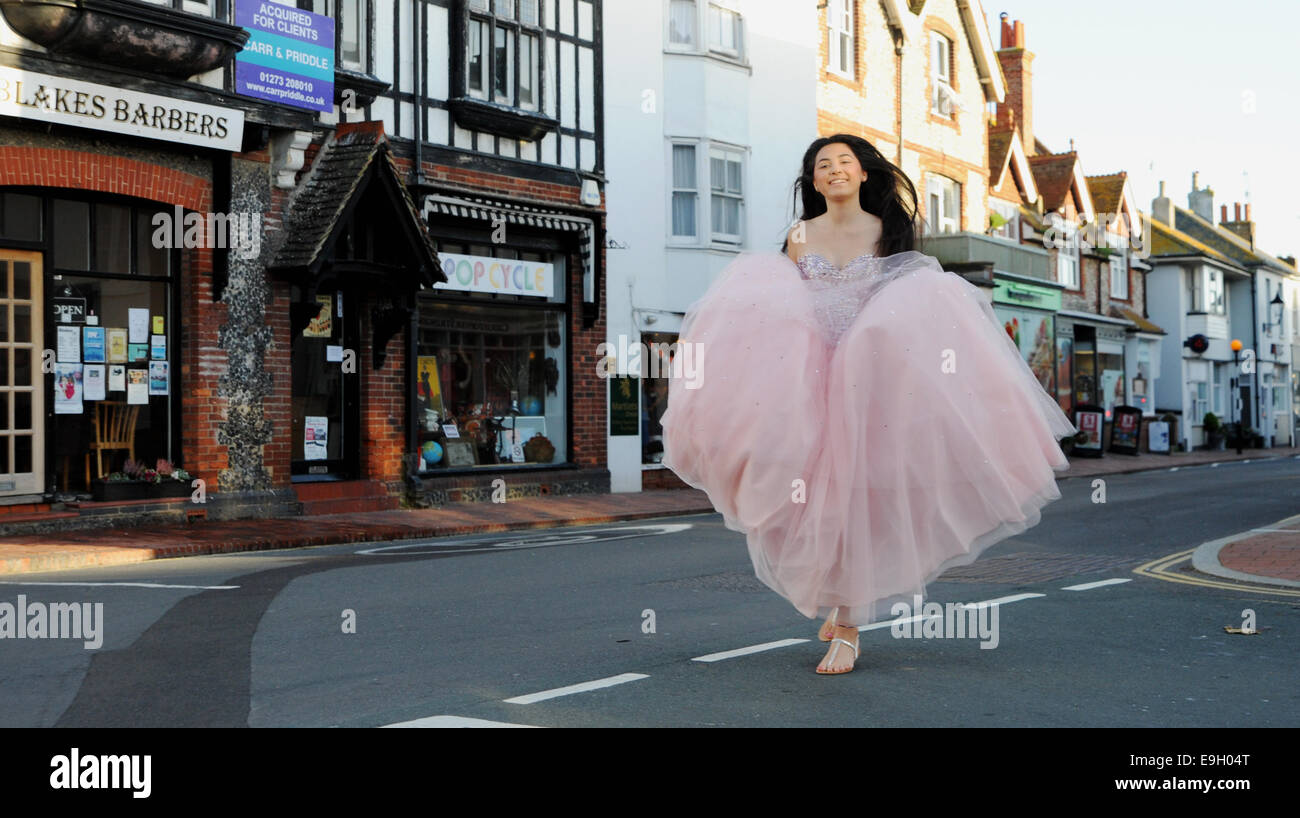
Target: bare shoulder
[800, 237]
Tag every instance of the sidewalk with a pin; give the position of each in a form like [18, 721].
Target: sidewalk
[1262, 555]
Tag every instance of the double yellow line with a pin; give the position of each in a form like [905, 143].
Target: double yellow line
[1162, 568]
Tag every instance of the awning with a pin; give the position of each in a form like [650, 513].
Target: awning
[490, 210]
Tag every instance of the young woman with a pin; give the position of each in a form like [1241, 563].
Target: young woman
[856, 411]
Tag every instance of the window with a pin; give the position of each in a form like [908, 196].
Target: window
[685, 192]
[503, 52]
[1199, 403]
[1195, 291]
[840, 24]
[725, 185]
[943, 197]
[724, 30]
[351, 28]
[942, 97]
[681, 23]
[1214, 293]
[721, 23]
[1067, 252]
[1004, 220]
[1118, 260]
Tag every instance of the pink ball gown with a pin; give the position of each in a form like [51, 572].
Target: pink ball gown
[866, 428]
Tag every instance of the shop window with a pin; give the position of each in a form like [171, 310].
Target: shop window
[488, 378]
[1111, 367]
[20, 217]
[110, 318]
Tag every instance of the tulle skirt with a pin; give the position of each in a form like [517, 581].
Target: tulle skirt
[865, 435]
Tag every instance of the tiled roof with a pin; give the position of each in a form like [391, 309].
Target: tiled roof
[330, 185]
[1166, 241]
[1107, 191]
[1054, 173]
[1225, 241]
[1143, 324]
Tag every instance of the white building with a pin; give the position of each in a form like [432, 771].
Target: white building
[708, 112]
[1210, 285]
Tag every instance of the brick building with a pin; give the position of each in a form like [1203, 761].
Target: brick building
[389, 287]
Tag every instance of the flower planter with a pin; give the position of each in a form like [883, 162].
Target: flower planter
[112, 491]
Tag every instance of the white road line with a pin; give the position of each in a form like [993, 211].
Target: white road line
[1276, 530]
[730, 654]
[578, 688]
[1088, 586]
[454, 721]
[129, 585]
[1002, 600]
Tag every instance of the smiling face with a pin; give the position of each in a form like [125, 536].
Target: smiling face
[837, 173]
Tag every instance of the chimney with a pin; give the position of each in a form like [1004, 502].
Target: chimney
[1242, 227]
[1223, 213]
[1016, 62]
[1289, 260]
[1162, 208]
[1201, 200]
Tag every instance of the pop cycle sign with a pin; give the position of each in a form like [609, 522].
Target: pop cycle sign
[289, 56]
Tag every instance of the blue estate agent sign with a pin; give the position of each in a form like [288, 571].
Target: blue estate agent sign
[289, 56]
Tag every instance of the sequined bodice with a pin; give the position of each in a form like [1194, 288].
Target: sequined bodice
[839, 293]
[815, 265]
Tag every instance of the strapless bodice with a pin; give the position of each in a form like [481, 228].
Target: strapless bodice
[815, 265]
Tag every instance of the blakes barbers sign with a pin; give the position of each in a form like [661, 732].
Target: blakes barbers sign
[32, 95]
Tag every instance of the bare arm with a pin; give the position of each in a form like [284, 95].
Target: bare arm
[794, 246]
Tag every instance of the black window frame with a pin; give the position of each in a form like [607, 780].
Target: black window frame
[460, 54]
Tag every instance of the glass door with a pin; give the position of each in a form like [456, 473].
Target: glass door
[22, 393]
[325, 363]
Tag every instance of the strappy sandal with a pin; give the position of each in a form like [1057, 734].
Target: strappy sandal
[835, 647]
[821, 632]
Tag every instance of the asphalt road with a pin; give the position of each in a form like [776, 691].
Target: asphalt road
[473, 628]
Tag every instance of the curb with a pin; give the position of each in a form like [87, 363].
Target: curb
[111, 555]
[1206, 559]
[1173, 464]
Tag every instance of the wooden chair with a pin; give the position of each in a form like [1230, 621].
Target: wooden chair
[114, 430]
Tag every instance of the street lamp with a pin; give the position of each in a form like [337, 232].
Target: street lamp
[1275, 311]
[1236, 391]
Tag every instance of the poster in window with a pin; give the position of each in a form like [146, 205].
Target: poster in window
[116, 345]
[137, 385]
[137, 320]
[428, 389]
[93, 383]
[158, 347]
[67, 389]
[69, 350]
[315, 437]
[137, 353]
[158, 325]
[116, 378]
[158, 377]
[93, 345]
[322, 326]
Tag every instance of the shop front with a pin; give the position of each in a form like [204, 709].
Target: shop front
[1027, 312]
[492, 386]
[1095, 348]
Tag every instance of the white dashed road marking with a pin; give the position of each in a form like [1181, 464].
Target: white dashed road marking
[1088, 586]
[729, 654]
[578, 688]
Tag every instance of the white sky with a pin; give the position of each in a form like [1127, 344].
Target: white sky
[1161, 88]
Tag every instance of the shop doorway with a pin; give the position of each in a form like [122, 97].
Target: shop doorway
[326, 387]
[22, 389]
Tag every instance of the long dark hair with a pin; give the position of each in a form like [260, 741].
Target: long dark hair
[887, 193]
